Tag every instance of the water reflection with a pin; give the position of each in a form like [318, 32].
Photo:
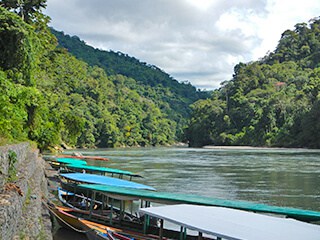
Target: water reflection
[66, 234]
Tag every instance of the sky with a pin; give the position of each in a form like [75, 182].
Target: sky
[199, 41]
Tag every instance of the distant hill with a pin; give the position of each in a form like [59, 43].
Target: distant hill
[181, 94]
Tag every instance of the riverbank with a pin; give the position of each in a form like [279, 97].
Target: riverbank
[23, 187]
[241, 147]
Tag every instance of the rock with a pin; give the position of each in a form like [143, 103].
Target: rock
[22, 215]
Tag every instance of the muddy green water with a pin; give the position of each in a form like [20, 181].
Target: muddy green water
[281, 177]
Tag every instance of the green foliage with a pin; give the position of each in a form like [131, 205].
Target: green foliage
[50, 97]
[26, 9]
[172, 97]
[12, 171]
[18, 48]
[271, 102]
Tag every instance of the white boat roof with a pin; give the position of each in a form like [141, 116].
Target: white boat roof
[233, 224]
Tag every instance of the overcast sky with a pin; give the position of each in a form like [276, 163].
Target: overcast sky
[198, 41]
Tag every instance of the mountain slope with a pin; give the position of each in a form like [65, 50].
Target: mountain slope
[178, 95]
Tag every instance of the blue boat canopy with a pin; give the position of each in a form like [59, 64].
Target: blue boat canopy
[104, 180]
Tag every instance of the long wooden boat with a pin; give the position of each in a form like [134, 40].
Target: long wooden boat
[75, 167]
[146, 197]
[84, 157]
[100, 212]
[227, 223]
[60, 163]
[70, 219]
[66, 217]
[70, 181]
[78, 165]
[96, 231]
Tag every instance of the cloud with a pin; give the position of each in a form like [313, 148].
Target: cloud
[193, 40]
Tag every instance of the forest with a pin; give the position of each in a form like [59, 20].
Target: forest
[55, 89]
[274, 101]
[50, 97]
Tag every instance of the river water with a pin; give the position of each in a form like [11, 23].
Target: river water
[281, 177]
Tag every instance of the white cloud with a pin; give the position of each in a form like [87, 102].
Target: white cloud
[195, 40]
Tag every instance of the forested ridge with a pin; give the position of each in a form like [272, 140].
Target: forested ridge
[271, 102]
[51, 97]
[172, 97]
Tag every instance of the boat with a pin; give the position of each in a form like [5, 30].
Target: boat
[145, 197]
[65, 217]
[70, 181]
[227, 223]
[69, 218]
[96, 231]
[75, 167]
[60, 163]
[100, 212]
[72, 196]
[83, 157]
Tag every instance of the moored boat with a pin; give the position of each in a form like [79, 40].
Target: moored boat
[68, 218]
[74, 167]
[100, 212]
[65, 217]
[70, 181]
[84, 157]
[61, 163]
[227, 223]
[146, 197]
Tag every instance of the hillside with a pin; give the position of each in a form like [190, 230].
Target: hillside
[271, 102]
[50, 97]
[180, 96]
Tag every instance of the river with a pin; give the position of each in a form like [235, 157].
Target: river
[281, 177]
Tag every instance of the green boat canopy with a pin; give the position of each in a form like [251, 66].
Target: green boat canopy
[72, 161]
[175, 198]
[95, 169]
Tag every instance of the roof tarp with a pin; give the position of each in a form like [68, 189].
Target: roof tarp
[104, 180]
[229, 223]
[101, 169]
[175, 198]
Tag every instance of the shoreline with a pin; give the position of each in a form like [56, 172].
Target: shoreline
[252, 148]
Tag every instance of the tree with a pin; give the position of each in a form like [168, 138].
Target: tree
[26, 9]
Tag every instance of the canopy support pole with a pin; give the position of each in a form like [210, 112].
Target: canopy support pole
[161, 230]
[146, 223]
[103, 203]
[87, 195]
[181, 233]
[111, 211]
[92, 203]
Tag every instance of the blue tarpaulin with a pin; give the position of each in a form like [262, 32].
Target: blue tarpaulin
[104, 180]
